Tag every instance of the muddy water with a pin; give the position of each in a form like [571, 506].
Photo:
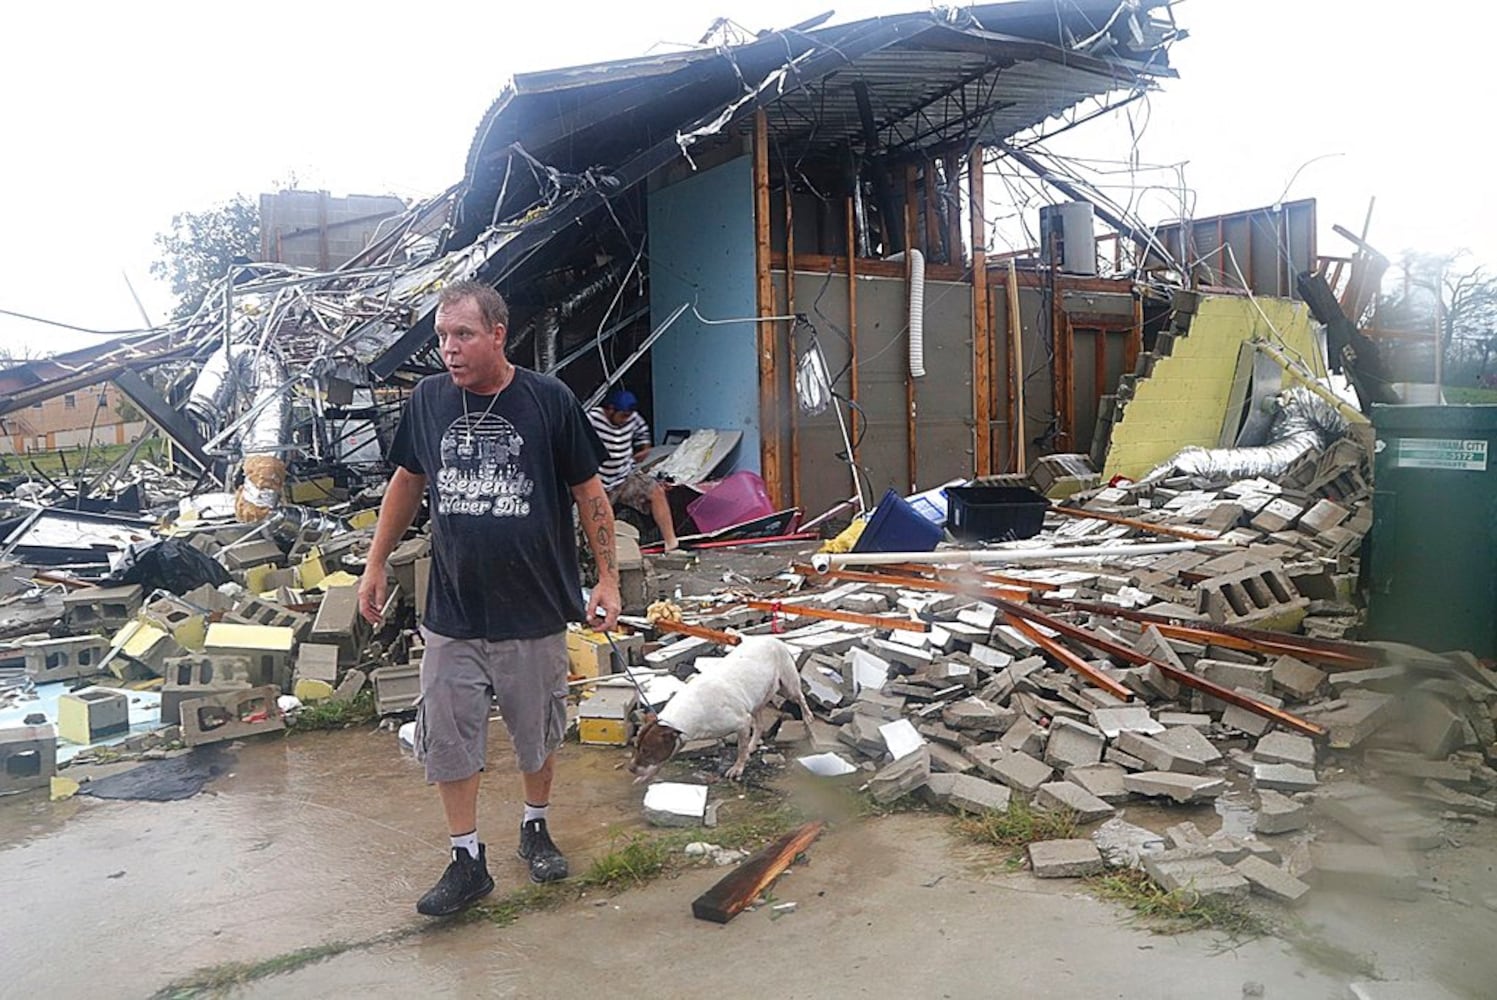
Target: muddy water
[310, 839]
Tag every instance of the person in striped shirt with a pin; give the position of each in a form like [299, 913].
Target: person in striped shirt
[626, 440]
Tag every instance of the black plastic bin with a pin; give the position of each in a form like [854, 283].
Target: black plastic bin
[994, 513]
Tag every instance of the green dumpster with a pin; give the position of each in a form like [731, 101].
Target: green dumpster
[1433, 558]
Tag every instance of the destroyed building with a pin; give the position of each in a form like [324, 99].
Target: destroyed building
[1149, 580]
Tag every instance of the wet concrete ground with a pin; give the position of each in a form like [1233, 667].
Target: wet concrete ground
[321, 838]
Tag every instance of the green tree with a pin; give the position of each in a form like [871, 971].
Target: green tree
[200, 246]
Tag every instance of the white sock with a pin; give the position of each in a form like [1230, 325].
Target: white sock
[534, 812]
[468, 842]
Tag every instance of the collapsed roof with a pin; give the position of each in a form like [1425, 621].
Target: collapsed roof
[557, 170]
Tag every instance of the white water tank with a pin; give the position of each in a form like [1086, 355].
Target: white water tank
[1075, 242]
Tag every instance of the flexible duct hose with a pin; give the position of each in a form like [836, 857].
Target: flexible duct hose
[917, 314]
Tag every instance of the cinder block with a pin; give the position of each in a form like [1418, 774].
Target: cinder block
[242, 557]
[396, 687]
[92, 714]
[592, 656]
[190, 677]
[253, 611]
[99, 609]
[28, 757]
[183, 622]
[146, 644]
[267, 647]
[317, 661]
[339, 623]
[64, 659]
[1065, 858]
[1261, 595]
[231, 716]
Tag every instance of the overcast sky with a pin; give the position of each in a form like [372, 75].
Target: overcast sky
[115, 116]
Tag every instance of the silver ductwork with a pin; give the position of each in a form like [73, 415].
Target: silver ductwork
[267, 430]
[237, 370]
[213, 391]
[1304, 421]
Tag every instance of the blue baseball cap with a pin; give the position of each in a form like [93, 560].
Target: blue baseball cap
[621, 399]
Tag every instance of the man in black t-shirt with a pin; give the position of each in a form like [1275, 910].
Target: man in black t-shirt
[501, 454]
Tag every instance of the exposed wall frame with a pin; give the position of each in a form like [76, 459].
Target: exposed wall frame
[982, 380]
[771, 458]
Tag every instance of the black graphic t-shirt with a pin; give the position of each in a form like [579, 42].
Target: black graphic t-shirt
[504, 555]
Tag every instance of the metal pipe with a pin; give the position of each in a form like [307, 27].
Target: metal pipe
[823, 561]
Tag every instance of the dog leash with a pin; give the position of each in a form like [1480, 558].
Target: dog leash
[618, 658]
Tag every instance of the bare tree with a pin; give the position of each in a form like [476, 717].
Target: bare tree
[1448, 292]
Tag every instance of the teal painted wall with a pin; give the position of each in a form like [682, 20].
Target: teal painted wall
[702, 249]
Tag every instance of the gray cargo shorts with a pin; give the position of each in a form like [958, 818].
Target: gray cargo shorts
[528, 678]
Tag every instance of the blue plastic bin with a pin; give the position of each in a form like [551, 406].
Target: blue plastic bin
[897, 527]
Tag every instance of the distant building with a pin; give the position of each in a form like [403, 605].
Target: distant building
[314, 230]
[71, 420]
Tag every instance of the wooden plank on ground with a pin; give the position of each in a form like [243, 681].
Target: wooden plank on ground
[740, 887]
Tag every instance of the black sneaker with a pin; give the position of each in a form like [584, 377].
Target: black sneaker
[466, 880]
[546, 863]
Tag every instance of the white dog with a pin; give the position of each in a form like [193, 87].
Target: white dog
[727, 700]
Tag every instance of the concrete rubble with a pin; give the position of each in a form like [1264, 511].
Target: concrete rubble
[1228, 665]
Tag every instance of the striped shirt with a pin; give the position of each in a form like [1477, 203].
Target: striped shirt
[619, 443]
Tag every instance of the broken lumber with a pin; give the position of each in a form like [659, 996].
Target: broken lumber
[1067, 659]
[1017, 614]
[914, 582]
[698, 631]
[1133, 522]
[740, 887]
[1326, 652]
[851, 617]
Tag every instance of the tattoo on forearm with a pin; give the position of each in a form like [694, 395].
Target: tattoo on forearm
[598, 509]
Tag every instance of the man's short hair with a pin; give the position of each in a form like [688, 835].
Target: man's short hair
[491, 305]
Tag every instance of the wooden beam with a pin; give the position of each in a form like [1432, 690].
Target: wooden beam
[1063, 378]
[697, 631]
[1017, 614]
[1066, 658]
[1131, 522]
[852, 340]
[771, 461]
[1135, 343]
[1326, 652]
[790, 341]
[888, 622]
[915, 583]
[982, 416]
[740, 887]
[1016, 368]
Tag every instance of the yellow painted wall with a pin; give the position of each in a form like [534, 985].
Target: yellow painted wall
[1184, 400]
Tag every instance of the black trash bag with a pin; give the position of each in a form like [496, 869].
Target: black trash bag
[167, 564]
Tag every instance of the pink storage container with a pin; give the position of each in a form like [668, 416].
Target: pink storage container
[736, 498]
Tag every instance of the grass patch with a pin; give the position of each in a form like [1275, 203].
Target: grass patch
[220, 978]
[632, 861]
[1179, 910]
[336, 714]
[637, 861]
[1017, 827]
